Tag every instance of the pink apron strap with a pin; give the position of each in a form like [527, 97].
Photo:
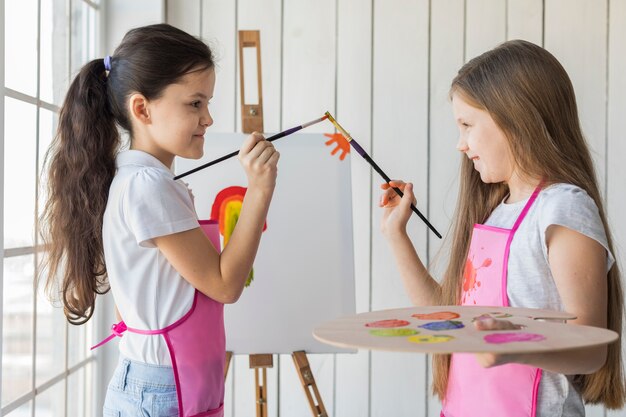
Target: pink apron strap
[529, 203]
[116, 331]
[520, 218]
[119, 328]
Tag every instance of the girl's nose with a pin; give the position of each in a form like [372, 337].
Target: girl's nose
[206, 119]
[461, 145]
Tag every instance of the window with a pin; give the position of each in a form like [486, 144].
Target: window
[47, 369]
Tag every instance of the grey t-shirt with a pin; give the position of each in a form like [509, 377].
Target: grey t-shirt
[530, 283]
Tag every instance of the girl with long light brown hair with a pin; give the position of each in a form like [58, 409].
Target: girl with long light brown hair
[120, 219]
[529, 231]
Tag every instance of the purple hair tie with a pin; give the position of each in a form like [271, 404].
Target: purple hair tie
[107, 62]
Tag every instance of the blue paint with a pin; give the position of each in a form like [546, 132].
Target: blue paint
[443, 325]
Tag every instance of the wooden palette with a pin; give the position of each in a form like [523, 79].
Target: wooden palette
[542, 330]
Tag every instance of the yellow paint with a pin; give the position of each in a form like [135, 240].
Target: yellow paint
[393, 332]
[231, 216]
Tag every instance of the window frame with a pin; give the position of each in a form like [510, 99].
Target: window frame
[93, 386]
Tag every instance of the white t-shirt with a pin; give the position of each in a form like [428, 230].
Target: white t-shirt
[529, 281]
[145, 202]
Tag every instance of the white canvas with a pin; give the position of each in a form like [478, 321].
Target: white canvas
[304, 269]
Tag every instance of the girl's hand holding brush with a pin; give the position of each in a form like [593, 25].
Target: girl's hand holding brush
[397, 209]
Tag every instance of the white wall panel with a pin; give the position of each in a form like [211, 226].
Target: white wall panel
[354, 101]
[121, 16]
[308, 61]
[309, 67]
[525, 20]
[485, 26]
[219, 29]
[400, 147]
[185, 15]
[583, 54]
[446, 57]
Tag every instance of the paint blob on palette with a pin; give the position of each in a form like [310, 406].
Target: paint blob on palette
[443, 325]
[499, 338]
[388, 323]
[393, 332]
[451, 329]
[492, 315]
[390, 328]
[430, 338]
[439, 315]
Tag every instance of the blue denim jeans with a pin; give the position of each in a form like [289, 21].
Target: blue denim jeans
[141, 389]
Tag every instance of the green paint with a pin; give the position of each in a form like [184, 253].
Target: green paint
[430, 338]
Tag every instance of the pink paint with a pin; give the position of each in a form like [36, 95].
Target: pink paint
[499, 338]
[388, 323]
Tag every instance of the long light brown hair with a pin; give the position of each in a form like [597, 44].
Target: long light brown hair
[531, 98]
[80, 163]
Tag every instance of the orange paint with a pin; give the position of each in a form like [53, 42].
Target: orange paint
[341, 144]
[470, 275]
[440, 315]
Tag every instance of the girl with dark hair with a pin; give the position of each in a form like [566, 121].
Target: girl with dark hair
[530, 216]
[119, 219]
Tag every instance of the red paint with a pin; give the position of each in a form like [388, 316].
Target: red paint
[388, 323]
[233, 193]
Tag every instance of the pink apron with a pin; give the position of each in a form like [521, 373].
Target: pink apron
[507, 390]
[197, 346]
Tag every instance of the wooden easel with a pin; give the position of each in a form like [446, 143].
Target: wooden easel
[251, 113]
[252, 120]
[308, 383]
[260, 363]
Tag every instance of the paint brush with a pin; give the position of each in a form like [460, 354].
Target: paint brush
[374, 165]
[270, 139]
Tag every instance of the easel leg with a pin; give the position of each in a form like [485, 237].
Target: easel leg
[229, 356]
[260, 363]
[308, 383]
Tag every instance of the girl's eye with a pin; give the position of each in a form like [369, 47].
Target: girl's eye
[196, 104]
[465, 124]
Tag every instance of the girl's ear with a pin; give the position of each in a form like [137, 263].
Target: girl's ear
[138, 109]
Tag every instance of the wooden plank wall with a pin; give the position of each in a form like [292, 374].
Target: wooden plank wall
[384, 68]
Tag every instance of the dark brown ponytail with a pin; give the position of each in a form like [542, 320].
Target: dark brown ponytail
[80, 163]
